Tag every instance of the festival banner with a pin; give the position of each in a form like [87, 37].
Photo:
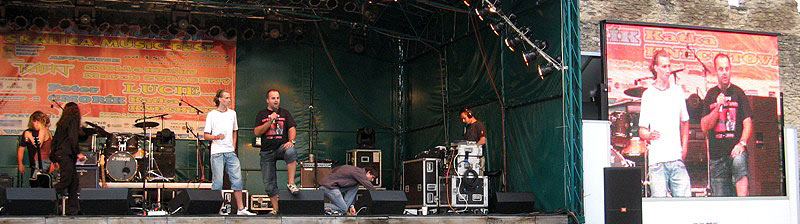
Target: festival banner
[628, 50]
[116, 81]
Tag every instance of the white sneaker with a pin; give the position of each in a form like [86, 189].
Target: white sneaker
[293, 188]
[244, 212]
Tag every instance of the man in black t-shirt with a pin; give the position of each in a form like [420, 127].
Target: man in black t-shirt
[276, 127]
[728, 125]
[474, 130]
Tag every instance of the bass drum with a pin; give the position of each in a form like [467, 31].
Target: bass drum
[121, 166]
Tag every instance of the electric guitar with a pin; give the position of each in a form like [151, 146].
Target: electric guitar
[40, 178]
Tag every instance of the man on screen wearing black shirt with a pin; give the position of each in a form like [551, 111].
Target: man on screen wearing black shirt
[276, 127]
[728, 123]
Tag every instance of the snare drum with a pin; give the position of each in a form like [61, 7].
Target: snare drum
[121, 166]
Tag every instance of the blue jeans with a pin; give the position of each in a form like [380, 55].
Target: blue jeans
[725, 172]
[268, 168]
[669, 177]
[341, 198]
[230, 162]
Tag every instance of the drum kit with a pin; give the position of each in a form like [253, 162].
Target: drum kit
[124, 153]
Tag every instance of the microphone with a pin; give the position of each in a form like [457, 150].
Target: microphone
[676, 71]
[186, 125]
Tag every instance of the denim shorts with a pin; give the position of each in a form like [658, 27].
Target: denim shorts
[726, 171]
[268, 168]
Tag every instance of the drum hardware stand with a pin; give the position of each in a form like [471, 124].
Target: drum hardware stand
[200, 173]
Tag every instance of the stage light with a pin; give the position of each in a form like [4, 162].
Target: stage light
[85, 19]
[20, 22]
[248, 34]
[540, 44]
[214, 31]
[64, 24]
[3, 23]
[512, 42]
[314, 3]
[358, 41]
[546, 70]
[482, 12]
[39, 23]
[529, 56]
[498, 27]
[230, 33]
[296, 1]
[103, 27]
[350, 6]
[332, 4]
[183, 24]
[468, 3]
[173, 30]
[272, 30]
[299, 33]
[154, 29]
[191, 30]
[124, 29]
[495, 7]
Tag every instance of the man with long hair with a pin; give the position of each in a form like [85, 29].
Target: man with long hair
[221, 129]
[66, 152]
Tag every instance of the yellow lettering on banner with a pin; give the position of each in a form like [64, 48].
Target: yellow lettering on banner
[161, 89]
[108, 43]
[129, 88]
[87, 42]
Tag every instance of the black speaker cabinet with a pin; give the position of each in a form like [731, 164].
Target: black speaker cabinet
[87, 176]
[305, 202]
[29, 201]
[623, 194]
[383, 202]
[105, 201]
[195, 202]
[511, 202]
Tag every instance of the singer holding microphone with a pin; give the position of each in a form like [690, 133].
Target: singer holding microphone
[664, 122]
[276, 127]
[728, 126]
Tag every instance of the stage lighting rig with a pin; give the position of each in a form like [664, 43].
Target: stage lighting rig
[492, 7]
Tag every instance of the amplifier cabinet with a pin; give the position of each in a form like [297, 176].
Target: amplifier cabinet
[367, 157]
[461, 192]
[421, 182]
[229, 203]
[310, 171]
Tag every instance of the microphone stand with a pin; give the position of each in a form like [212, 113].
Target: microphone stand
[200, 173]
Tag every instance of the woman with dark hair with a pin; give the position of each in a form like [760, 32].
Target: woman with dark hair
[66, 151]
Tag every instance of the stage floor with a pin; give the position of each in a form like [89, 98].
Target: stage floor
[454, 219]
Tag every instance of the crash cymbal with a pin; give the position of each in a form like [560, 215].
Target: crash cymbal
[635, 91]
[148, 124]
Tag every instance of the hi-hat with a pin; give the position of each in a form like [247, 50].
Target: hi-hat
[148, 124]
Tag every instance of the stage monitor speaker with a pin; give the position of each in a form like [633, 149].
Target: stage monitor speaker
[383, 202]
[196, 202]
[29, 201]
[305, 202]
[105, 201]
[623, 194]
[511, 202]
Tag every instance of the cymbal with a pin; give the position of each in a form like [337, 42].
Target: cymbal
[635, 91]
[148, 124]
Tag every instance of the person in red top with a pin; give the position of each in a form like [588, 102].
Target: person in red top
[341, 186]
[38, 125]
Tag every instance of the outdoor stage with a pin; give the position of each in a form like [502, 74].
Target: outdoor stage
[468, 219]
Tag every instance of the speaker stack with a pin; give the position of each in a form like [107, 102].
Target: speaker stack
[623, 194]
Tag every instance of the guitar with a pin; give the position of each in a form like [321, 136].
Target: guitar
[40, 178]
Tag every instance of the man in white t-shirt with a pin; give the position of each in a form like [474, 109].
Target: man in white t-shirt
[221, 128]
[664, 122]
